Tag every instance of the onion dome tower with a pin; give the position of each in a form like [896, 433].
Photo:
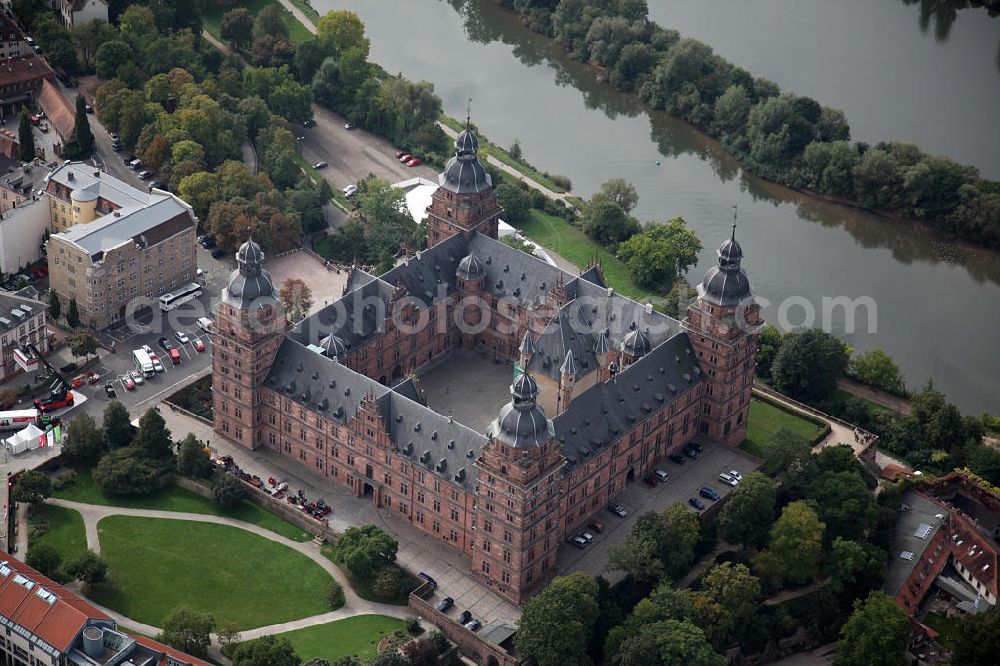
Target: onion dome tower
[464, 201]
[250, 324]
[522, 423]
[723, 326]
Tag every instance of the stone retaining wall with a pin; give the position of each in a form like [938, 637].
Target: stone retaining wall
[469, 644]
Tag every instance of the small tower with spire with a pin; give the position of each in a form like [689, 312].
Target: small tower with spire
[567, 381]
[464, 201]
[723, 326]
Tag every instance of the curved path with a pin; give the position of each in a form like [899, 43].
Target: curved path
[353, 604]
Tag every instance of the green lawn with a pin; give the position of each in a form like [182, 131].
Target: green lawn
[873, 407]
[363, 588]
[156, 565]
[211, 16]
[354, 636]
[306, 8]
[946, 626]
[558, 235]
[173, 498]
[64, 531]
[765, 419]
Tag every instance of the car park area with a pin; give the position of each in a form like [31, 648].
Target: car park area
[684, 482]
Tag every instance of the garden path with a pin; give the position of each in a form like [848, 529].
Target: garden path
[353, 604]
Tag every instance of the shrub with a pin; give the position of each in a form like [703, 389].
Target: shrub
[387, 583]
[335, 595]
[413, 626]
[44, 558]
[227, 490]
[562, 181]
[64, 480]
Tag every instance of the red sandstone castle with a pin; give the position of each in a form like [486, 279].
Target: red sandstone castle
[606, 388]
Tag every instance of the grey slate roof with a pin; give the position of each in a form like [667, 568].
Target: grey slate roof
[80, 176]
[727, 284]
[324, 386]
[569, 365]
[249, 282]
[464, 173]
[607, 410]
[125, 224]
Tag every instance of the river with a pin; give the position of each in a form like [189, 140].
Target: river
[937, 303]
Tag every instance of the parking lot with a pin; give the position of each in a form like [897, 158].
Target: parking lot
[638, 498]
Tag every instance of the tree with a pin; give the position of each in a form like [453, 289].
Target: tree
[387, 583]
[193, 459]
[638, 557]
[731, 112]
[787, 454]
[556, 624]
[514, 201]
[153, 438]
[125, 472]
[608, 223]
[110, 56]
[796, 544]
[44, 558]
[808, 364]
[25, 137]
[229, 636]
[876, 634]
[72, 314]
[189, 631]
[621, 192]
[84, 135]
[844, 503]
[877, 369]
[681, 643]
[660, 252]
[747, 514]
[266, 651]
[227, 490]
[84, 440]
[768, 344]
[84, 343]
[338, 31]
[737, 592]
[55, 306]
[977, 639]
[117, 426]
[88, 567]
[335, 595]
[296, 297]
[31, 486]
[200, 190]
[856, 568]
[366, 550]
[680, 530]
[236, 27]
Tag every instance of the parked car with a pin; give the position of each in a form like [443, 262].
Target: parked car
[137, 377]
[578, 541]
[207, 242]
[158, 367]
[128, 383]
[320, 165]
[182, 337]
[676, 458]
[405, 158]
[690, 453]
[416, 161]
[148, 349]
[109, 390]
[736, 475]
[309, 122]
[175, 356]
[586, 536]
[400, 153]
[597, 526]
[661, 475]
[445, 604]
[204, 323]
[145, 174]
[113, 136]
[199, 346]
[348, 126]
[618, 510]
[117, 146]
[709, 493]
[650, 480]
[165, 343]
[218, 253]
[350, 191]
[697, 503]
[426, 576]
[728, 479]
[473, 625]
[158, 185]
[464, 617]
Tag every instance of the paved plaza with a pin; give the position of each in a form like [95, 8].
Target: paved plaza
[326, 284]
[468, 386]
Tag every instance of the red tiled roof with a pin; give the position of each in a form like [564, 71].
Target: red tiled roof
[58, 108]
[59, 623]
[14, 71]
[167, 650]
[893, 471]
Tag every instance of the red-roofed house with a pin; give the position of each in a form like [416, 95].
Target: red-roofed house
[47, 623]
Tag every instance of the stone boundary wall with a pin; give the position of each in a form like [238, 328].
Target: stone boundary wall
[469, 644]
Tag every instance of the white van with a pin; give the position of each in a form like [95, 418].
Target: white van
[204, 323]
[134, 164]
[350, 190]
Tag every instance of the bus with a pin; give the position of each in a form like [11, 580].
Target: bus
[17, 419]
[179, 296]
[143, 363]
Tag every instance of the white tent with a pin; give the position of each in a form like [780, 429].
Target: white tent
[23, 440]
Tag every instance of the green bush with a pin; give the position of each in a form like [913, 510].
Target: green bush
[413, 626]
[64, 480]
[335, 595]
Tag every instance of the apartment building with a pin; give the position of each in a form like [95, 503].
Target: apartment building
[22, 320]
[113, 248]
[24, 215]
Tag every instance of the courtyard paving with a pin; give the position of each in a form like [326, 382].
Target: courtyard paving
[469, 386]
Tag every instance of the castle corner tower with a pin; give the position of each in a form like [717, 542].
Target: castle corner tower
[464, 201]
[249, 326]
[723, 326]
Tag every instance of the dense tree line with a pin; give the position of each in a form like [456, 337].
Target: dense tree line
[781, 136]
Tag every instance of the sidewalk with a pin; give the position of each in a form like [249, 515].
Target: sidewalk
[418, 551]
